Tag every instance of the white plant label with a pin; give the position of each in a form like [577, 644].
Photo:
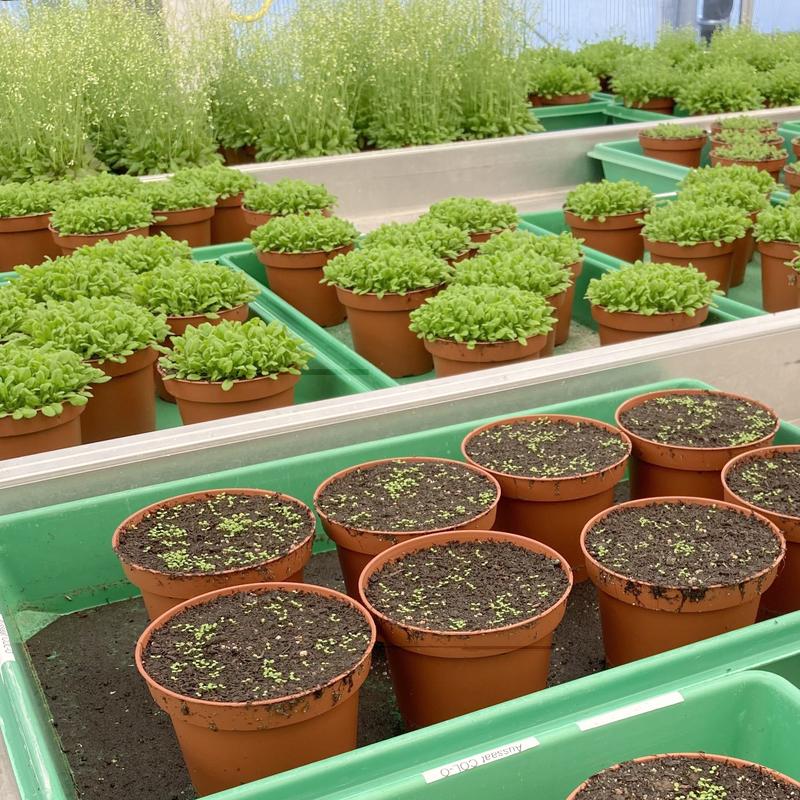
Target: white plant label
[6, 653]
[479, 759]
[632, 710]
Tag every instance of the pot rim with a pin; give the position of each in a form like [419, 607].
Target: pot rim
[555, 418]
[101, 234]
[607, 217]
[491, 344]
[423, 542]
[305, 252]
[122, 529]
[39, 422]
[725, 247]
[686, 500]
[649, 316]
[209, 705]
[159, 211]
[639, 399]
[183, 317]
[675, 139]
[374, 296]
[408, 534]
[272, 377]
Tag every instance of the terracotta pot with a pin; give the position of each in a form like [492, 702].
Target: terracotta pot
[39, 434]
[558, 302]
[565, 319]
[663, 105]
[254, 219]
[641, 619]
[162, 591]
[356, 547]
[479, 237]
[125, 405]
[192, 225]
[783, 596]
[203, 401]
[715, 262]
[70, 243]
[296, 278]
[685, 152]
[238, 155]
[381, 333]
[743, 250]
[796, 147]
[628, 326]
[566, 99]
[228, 223]
[178, 326]
[229, 744]
[792, 180]
[605, 84]
[619, 236]
[658, 470]
[772, 165]
[26, 240]
[438, 675]
[553, 510]
[734, 762]
[778, 281]
[455, 358]
[535, 100]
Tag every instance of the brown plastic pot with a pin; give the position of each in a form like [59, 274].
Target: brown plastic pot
[743, 250]
[771, 165]
[296, 278]
[380, 330]
[663, 105]
[792, 180]
[566, 99]
[778, 279]
[619, 235]
[193, 225]
[796, 147]
[641, 619]
[125, 405]
[178, 326]
[238, 155]
[479, 237]
[255, 219]
[40, 434]
[685, 152]
[202, 401]
[733, 762]
[228, 223]
[659, 470]
[628, 326]
[715, 262]
[438, 675]
[455, 358]
[162, 591]
[565, 315]
[26, 240]
[553, 510]
[356, 547]
[783, 596]
[558, 303]
[229, 744]
[70, 243]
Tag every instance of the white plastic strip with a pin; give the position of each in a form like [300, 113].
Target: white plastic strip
[632, 710]
[6, 653]
[479, 759]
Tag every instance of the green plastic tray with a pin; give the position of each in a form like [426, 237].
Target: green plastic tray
[600, 110]
[58, 560]
[741, 302]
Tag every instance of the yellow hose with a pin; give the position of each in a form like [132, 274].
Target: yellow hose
[265, 6]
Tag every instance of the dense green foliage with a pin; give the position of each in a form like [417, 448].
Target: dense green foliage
[562, 249]
[439, 238]
[528, 271]
[105, 184]
[303, 233]
[71, 277]
[481, 314]
[235, 351]
[608, 198]
[687, 223]
[14, 306]
[778, 224]
[642, 77]
[288, 196]
[172, 195]
[739, 173]
[672, 130]
[554, 79]
[385, 269]
[744, 123]
[137, 253]
[749, 148]
[43, 380]
[601, 58]
[101, 215]
[23, 199]
[739, 194]
[223, 181]
[720, 88]
[473, 214]
[648, 289]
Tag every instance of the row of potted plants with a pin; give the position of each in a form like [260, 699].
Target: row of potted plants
[235, 644]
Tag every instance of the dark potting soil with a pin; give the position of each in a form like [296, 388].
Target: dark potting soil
[545, 448]
[708, 419]
[120, 744]
[683, 545]
[771, 483]
[467, 586]
[219, 533]
[257, 646]
[405, 495]
[675, 778]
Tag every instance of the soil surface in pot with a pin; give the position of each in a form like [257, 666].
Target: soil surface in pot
[674, 778]
[219, 533]
[253, 646]
[546, 448]
[699, 420]
[771, 483]
[119, 743]
[467, 586]
[683, 545]
[407, 496]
